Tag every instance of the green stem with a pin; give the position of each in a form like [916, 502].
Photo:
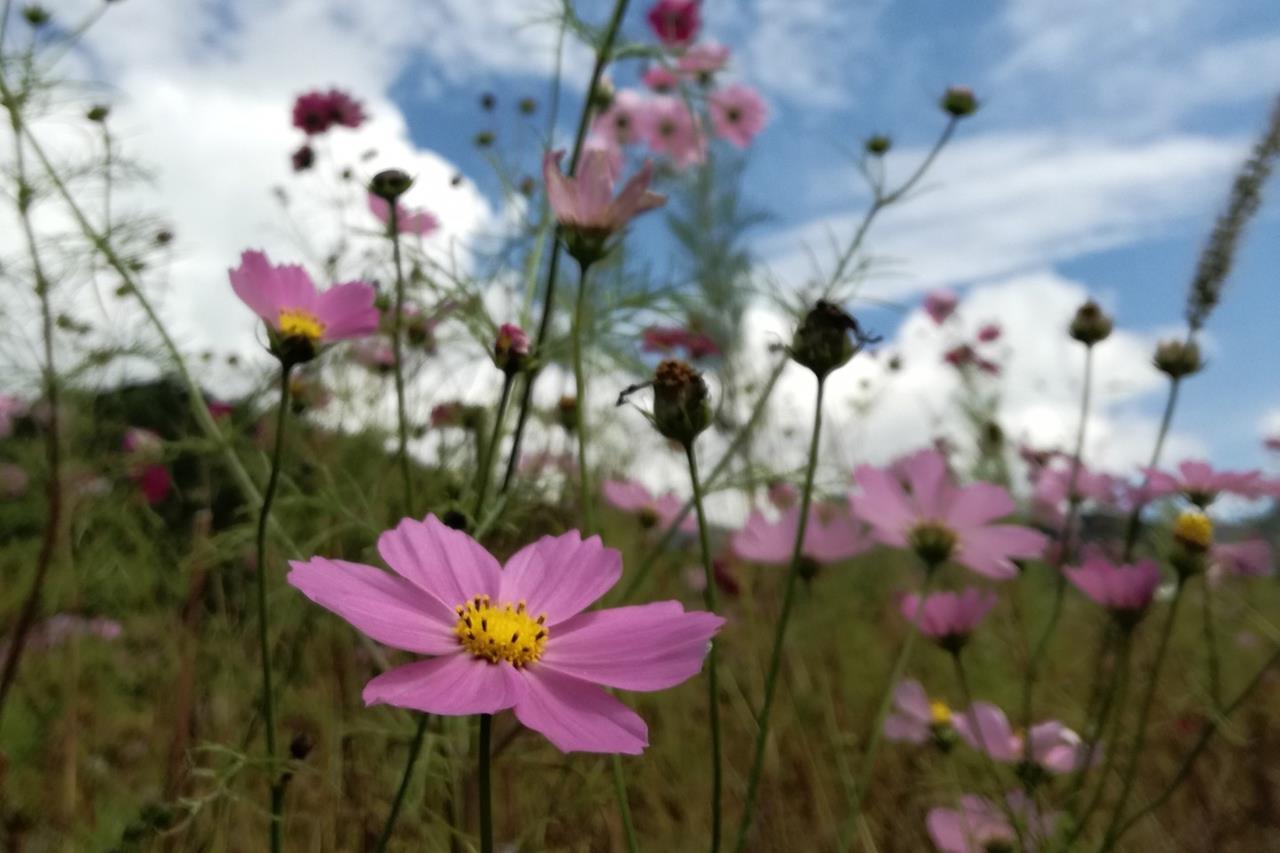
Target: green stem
[419, 736]
[713, 692]
[1102, 699]
[486, 798]
[1144, 716]
[264, 643]
[1211, 643]
[486, 466]
[1135, 515]
[1119, 690]
[585, 503]
[603, 55]
[624, 808]
[402, 417]
[780, 630]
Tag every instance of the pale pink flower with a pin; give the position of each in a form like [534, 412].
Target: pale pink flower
[831, 535]
[985, 728]
[675, 22]
[515, 637]
[660, 79]
[11, 408]
[586, 202]
[626, 121]
[915, 719]
[948, 618]
[737, 114]
[1251, 558]
[1052, 487]
[674, 131]
[662, 510]
[1120, 588]
[981, 826]
[703, 59]
[1201, 484]
[288, 302]
[418, 222]
[374, 354]
[940, 305]
[989, 332]
[923, 510]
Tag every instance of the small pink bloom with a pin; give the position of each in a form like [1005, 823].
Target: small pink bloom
[418, 222]
[630, 496]
[920, 508]
[703, 59]
[510, 347]
[665, 339]
[374, 354]
[674, 131]
[737, 114]
[1251, 558]
[659, 79]
[13, 481]
[1201, 484]
[831, 535]
[980, 826]
[912, 719]
[948, 618]
[1119, 588]
[960, 356]
[287, 301]
[518, 637]
[675, 22]
[316, 112]
[783, 495]
[989, 332]
[11, 408]
[446, 414]
[1051, 489]
[219, 409]
[586, 202]
[985, 728]
[626, 121]
[940, 305]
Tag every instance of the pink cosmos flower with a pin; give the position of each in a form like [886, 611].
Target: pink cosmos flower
[1201, 485]
[1251, 558]
[517, 636]
[832, 534]
[985, 728]
[664, 339]
[989, 332]
[510, 345]
[13, 481]
[948, 618]
[914, 718]
[659, 79]
[287, 301]
[586, 202]
[1123, 588]
[980, 826]
[60, 627]
[315, 112]
[940, 305]
[675, 22]
[626, 121]
[418, 222]
[674, 131]
[737, 114]
[1052, 487]
[11, 407]
[144, 449]
[374, 354]
[703, 59]
[782, 494]
[922, 509]
[630, 496]
[1272, 442]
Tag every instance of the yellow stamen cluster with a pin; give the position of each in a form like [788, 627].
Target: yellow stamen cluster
[1194, 531]
[500, 633]
[296, 323]
[939, 713]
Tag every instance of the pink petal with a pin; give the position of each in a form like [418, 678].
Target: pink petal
[645, 647]
[347, 311]
[386, 607]
[579, 717]
[931, 488]
[987, 550]
[979, 503]
[562, 195]
[560, 575]
[833, 535]
[626, 495]
[379, 208]
[452, 685]
[911, 699]
[765, 541]
[985, 728]
[900, 727]
[882, 503]
[445, 563]
[594, 180]
[294, 289]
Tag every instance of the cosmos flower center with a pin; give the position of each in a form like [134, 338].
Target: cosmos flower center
[1194, 530]
[296, 323]
[939, 713]
[932, 541]
[500, 632]
[733, 114]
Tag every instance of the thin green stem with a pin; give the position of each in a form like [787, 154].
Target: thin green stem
[388, 826]
[585, 503]
[486, 466]
[713, 692]
[1144, 714]
[1119, 692]
[1211, 643]
[624, 807]
[486, 794]
[397, 344]
[1134, 523]
[780, 630]
[1102, 699]
[264, 642]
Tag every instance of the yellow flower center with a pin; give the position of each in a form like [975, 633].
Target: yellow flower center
[1194, 530]
[296, 323]
[504, 633]
[939, 713]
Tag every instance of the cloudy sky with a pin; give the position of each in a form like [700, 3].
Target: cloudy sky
[1100, 157]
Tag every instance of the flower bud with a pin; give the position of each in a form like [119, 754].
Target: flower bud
[36, 15]
[510, 348]
[1192, 539]
[959, 101]
[878, 144]
[680, 402]
[98, 113]
[483, 139]
[527, 106]
[567, 412]
[303, 158]
[390, 184]
[822, 342]
[1177, 358]
[1090, 325]
[488, 101]
[602, 96]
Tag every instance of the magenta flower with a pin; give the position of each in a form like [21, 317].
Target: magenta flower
[948, 618]
[510, 347]
[626, 121]
[989, 332]
[1054, 747]
[11, 408]
[1251, 558]
[315, 112]
[287, 301]
[374, 354]
[737, 114]
[418, 222]
[659, 79]
[675, 22]
[674, 131]
[517, 637]
[630, 496]
[703, 59]
[144, 450]
[1201, 485]
[1122, 589]
[923, 510]
[980, 826]
[915, 719]
[831, 535]
[940, 305]
[585, 203]
[664, 339]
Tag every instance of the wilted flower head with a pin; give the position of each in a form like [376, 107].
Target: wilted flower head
[948, 618]
[737, 113]
[299, 319]
[916, 718]
[1126, 590]
[518, 637]
[585, 205]
[658, 511]
[675, 22]
[674, 131]
[832, 534]
[827, 339]
[1054, 747]
[680, 401]
[940, 305]
[418, 222]
[510, 348]
[315, 112]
